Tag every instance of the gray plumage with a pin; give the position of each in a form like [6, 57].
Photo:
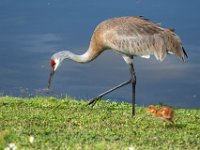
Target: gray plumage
[130, 36]
[136, 36]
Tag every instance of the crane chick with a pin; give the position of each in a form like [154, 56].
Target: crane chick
[164, 112]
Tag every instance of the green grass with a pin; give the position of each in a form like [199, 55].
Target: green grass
[70, 124]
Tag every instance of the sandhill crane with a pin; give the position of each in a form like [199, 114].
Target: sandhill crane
[129, 36]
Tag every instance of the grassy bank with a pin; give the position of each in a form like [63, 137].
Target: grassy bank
[70, 124]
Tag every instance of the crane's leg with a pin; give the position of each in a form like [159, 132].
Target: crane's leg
[133, 83]
[94, 100]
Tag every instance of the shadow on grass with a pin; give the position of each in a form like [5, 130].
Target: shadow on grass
[180, 126]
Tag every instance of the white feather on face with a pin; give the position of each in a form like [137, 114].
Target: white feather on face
[57, 63]
[57, 59]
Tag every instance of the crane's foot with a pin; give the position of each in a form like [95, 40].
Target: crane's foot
[94, 101]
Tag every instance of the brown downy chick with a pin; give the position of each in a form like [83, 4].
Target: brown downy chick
[165, 113]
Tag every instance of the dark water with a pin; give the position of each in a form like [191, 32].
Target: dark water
[31, 31]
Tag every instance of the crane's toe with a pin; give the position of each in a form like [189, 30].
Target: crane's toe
[93, 101]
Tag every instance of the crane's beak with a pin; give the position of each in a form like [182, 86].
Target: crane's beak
[50, 77]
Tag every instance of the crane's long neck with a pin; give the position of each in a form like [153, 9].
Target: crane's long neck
[88, 56]
[84, 58]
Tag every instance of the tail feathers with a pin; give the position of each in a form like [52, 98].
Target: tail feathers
[175, 46]
[179, 52]
[185, 54]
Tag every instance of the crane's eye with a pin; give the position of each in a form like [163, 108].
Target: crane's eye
[52, 63]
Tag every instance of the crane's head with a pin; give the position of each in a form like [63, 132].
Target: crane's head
[54, 64]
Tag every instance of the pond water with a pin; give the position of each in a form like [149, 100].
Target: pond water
[31, 31]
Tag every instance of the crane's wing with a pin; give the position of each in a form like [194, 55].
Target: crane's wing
[140, 37]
